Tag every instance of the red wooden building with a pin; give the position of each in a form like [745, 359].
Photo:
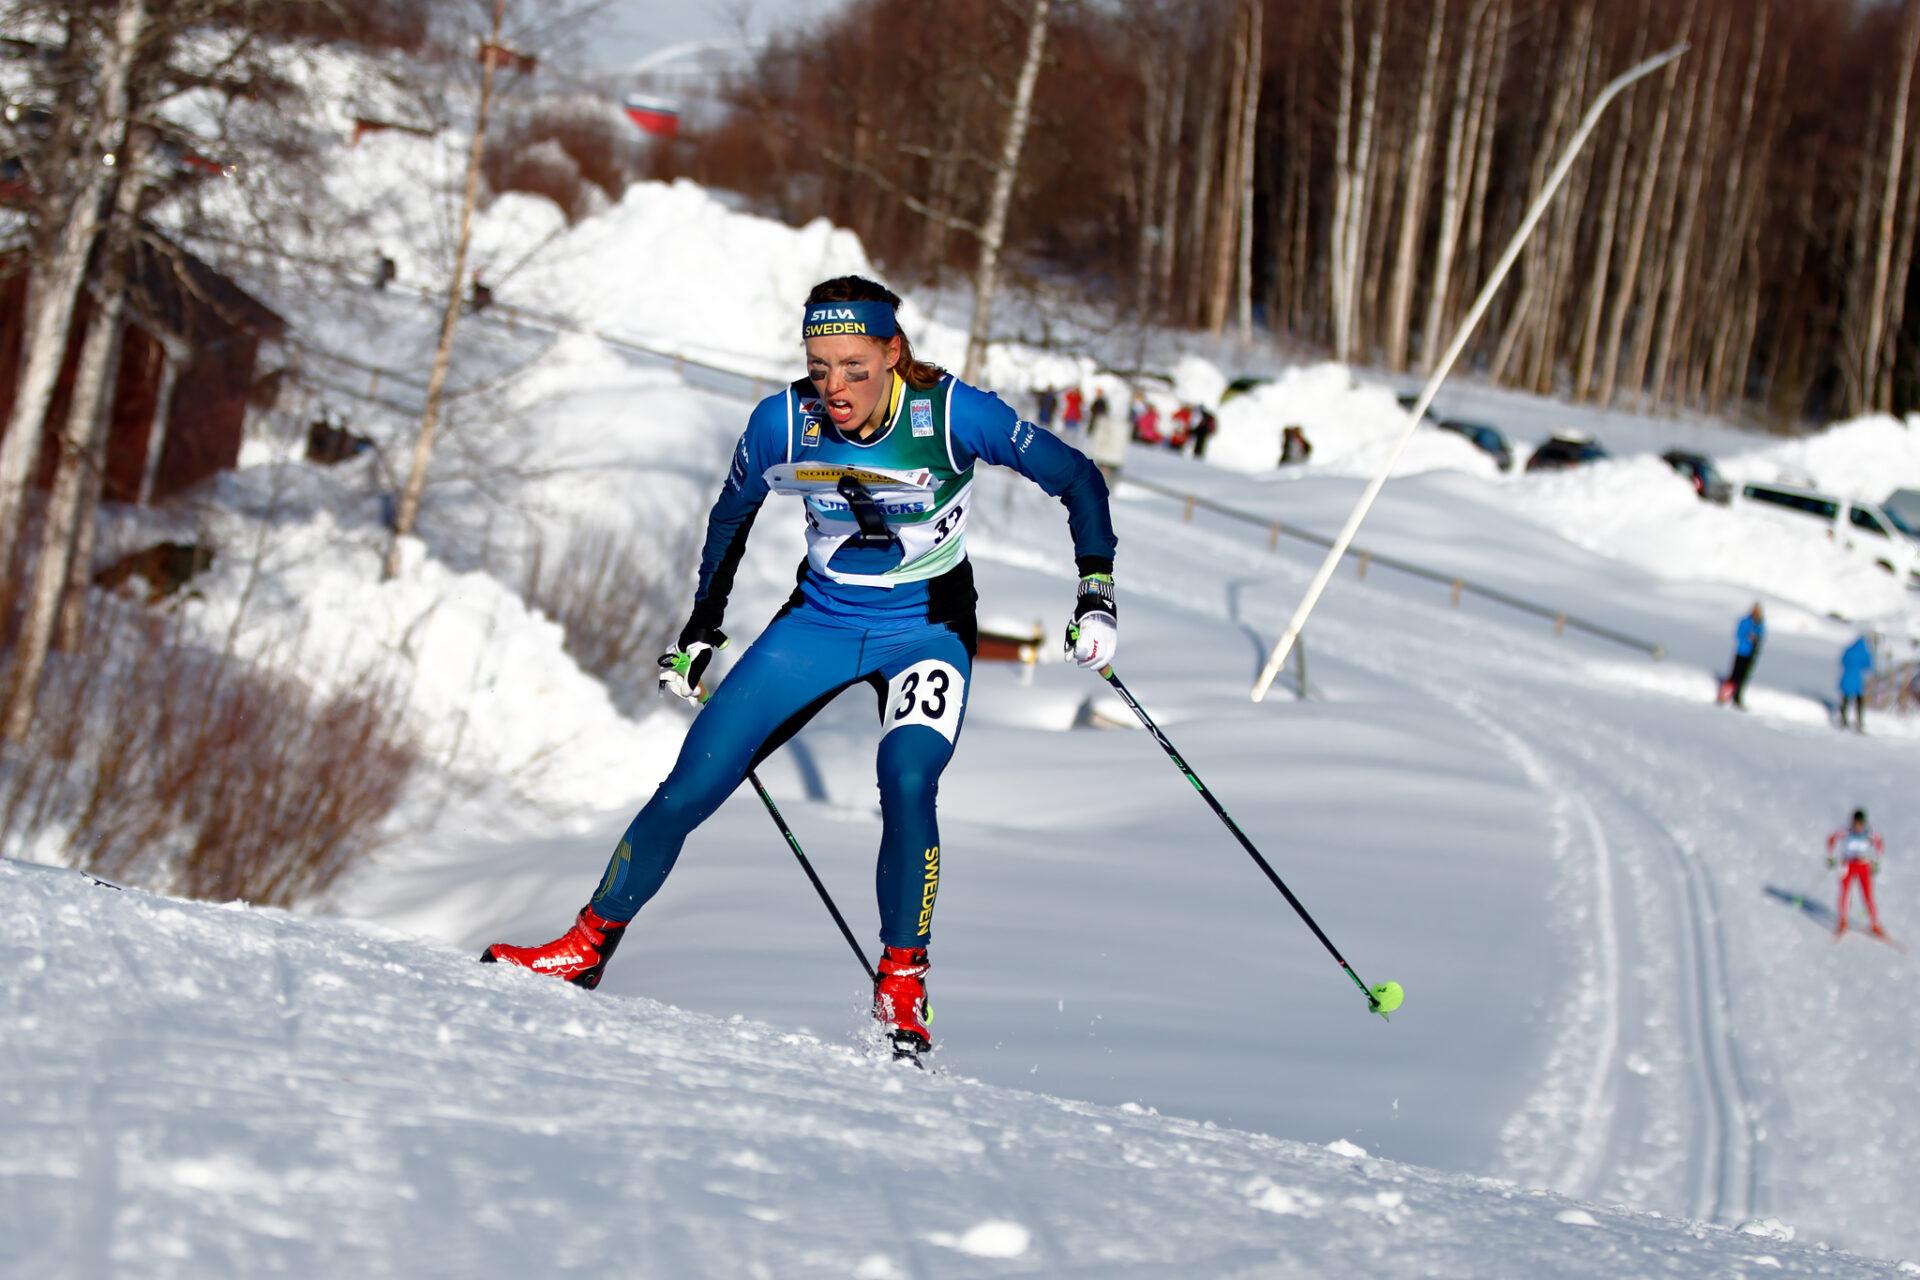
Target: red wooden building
[190, 343]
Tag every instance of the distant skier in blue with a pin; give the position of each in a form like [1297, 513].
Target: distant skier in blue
[881, 449]
[1856, 664]
[1748, 636]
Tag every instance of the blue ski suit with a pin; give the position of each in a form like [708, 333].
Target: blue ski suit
[891, 607]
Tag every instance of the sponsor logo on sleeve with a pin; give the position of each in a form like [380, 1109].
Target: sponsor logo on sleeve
[922, 415]
[1022, 435]
[737, 474]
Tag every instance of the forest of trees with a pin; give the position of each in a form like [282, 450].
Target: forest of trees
[1738, 235]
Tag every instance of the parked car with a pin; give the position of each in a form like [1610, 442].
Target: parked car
[1243, 384]
[1903, 508]
[1488, 439]
[1859, 526]
[1565, 450]
[1707, 481]
[1412, 398]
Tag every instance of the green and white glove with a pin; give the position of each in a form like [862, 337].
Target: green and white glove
[1094, 633]
[681, 670]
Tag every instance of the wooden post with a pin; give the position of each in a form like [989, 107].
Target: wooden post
[1273, 536]
[1186, 516]
[373, 385]
[1457, 585]
[1559, 624]
[1300, 666]
[1366, 557]
[679, 365]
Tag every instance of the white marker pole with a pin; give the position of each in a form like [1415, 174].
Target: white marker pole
[1439, 375]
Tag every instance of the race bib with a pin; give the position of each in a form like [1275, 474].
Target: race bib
[931, 693]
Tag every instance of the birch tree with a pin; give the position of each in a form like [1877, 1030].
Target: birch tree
[1605, 235]
[1870, 357]
[993, 231]
[407, 512]
[81, 445]
[1354, 145]
[1462, 130]
[1626, 288]
[1413, 205]
[1222, 222]
[72, 179]
[1679, 259]
[1249, 160]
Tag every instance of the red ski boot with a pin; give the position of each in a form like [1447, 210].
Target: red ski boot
[900, 1000]
[578, 956]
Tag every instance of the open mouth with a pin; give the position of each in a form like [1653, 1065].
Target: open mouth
[840, 410]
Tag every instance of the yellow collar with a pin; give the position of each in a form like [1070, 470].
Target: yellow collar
[893, 409]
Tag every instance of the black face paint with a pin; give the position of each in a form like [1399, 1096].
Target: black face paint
[866, 510]
[857, 375]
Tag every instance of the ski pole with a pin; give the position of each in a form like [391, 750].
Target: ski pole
[793, 842]
[1465, 331]
[1383, 999]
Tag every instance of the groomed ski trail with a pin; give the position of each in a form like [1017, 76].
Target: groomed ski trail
[1609, 1150]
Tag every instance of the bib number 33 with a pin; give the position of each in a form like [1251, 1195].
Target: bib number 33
[931, 693]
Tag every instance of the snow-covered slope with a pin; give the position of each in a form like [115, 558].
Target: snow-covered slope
[1562, 849]
[196, 1091]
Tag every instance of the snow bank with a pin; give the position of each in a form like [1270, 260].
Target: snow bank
[675, 267]
[1351, 425]
[1860, 458]
[486, 684]
[1641, 511]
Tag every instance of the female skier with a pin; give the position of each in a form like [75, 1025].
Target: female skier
[881, 448]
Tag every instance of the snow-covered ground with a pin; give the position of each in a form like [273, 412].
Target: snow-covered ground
[1148, 1066]
[196, 1091]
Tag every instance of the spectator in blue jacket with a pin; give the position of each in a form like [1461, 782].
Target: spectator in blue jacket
[1856, 664]
[1747, 639]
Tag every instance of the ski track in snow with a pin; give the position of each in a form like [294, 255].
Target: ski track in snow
[1607, 1151]
[1721, 1152]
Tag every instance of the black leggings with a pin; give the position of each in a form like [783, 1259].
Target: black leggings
[1742, 668]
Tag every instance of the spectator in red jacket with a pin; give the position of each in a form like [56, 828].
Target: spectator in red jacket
[1071, 406]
